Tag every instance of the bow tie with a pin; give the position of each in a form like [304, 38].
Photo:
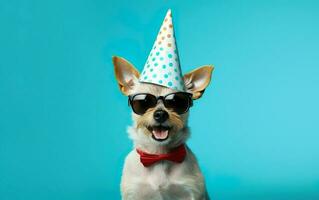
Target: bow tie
[177, 155]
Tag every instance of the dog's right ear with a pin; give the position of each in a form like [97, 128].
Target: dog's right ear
[197, 80]
[125, 73]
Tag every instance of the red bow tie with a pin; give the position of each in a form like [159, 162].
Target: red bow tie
[177, 155]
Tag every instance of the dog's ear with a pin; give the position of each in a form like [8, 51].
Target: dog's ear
[125, 73]
[197, 80]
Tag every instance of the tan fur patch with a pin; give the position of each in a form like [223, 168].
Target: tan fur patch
[175, 120]
[146, 119]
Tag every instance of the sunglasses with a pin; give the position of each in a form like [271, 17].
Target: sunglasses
[179, 102]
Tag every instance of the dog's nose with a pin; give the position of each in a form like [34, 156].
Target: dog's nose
[160, 116]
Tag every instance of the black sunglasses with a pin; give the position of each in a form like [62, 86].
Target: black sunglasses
[179, 102]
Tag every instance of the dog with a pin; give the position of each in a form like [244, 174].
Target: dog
[159, 128]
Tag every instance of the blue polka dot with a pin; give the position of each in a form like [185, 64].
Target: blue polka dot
[157, 53]
[170, 55]
[176, 78]
[165, 76]
[161, 58]
[175, 70]
[170, 83]
[155, 64]
[161, 49]
[160, 81]
[151, 69]
[153, 59]
[164, 66]
[148, 65]
[144, 72]
[145, 77]
[154, 76]
[170, 64]
[151, 54]
[154, 47]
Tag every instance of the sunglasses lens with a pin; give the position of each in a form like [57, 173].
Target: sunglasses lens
[179, 102]
[142, 102]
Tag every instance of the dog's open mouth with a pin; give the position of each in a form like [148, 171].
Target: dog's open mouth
[159, 133]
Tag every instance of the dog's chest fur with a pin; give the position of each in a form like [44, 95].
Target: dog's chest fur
[163, 180]
[158, 175]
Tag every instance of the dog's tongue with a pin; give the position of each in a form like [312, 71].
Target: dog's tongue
[160, 134]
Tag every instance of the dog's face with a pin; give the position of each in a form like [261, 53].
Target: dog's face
[159, 125]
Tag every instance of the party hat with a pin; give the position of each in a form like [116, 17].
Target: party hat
[162, 66]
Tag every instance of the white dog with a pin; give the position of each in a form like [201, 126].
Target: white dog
[160, 165]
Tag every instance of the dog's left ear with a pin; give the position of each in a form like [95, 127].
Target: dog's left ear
[125, 73]
[197, 80]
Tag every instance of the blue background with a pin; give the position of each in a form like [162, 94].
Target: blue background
[63, 120]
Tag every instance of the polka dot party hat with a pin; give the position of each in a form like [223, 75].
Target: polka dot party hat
[162, 66]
